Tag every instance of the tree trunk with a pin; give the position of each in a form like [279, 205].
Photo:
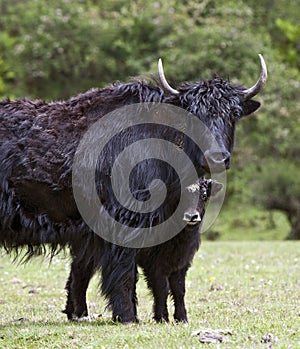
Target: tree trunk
[295, 228]
[291, 207]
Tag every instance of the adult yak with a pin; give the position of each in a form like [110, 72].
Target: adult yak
[38, 141]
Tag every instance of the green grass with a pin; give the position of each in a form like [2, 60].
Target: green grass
[250, 288]
[250, 222]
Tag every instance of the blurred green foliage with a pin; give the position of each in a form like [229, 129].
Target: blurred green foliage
[56, 49]
[281, 191]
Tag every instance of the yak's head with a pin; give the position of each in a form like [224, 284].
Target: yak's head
[198, 194]
[218, 104]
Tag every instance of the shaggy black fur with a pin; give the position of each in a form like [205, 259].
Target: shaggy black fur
[38, 141]
[164, 265]
[37, 145]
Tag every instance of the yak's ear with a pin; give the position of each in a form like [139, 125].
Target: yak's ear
[214, 187]
[249, 107]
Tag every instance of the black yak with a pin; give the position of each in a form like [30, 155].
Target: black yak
[38, 141]
[164, 265]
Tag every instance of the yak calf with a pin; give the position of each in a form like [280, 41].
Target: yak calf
[164, 266]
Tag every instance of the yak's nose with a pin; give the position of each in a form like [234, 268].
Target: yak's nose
[217, 160]
[192, 217]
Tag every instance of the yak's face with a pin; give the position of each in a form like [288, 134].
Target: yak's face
[218, 105]
[198, 194]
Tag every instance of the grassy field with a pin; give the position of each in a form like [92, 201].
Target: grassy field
[249, 290]
[250, 222]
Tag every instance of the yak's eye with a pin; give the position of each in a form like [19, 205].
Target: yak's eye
[203, 195]
[235, 115]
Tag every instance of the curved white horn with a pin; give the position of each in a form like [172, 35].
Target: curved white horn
[163, 79]
[254, 90]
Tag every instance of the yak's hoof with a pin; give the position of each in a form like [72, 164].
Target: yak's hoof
[181, 320]
[125, 319]
[161, 319]
[72, 316]
[68, 313]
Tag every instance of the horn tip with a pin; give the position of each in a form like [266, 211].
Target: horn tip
[264, 67]
[159, 63]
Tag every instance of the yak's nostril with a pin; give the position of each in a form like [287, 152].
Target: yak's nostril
[195, 218]
[227, 163]
[217, 158]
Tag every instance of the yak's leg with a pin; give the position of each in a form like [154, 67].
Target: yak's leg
[76, 286]
[159, 287]
[177, 287]
[69, 309]
[119, 275]
[134, 296]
